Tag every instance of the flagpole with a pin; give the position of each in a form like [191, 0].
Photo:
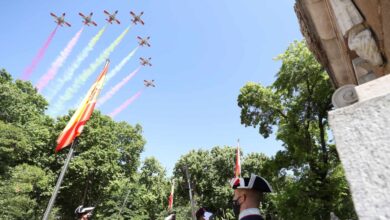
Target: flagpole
[124, 203]
[238, 161]
[59, 181]
[190, 192]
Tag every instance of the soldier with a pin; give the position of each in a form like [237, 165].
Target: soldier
[84, 213]
[248, 193]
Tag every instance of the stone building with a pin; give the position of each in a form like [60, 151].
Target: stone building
[351, 39]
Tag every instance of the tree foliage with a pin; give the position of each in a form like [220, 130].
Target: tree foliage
[209, 174]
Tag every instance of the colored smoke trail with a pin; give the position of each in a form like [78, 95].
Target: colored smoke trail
[83, 77]
[119, 67]
[125, 104]
[68, 75]
[117, 87]
[41, 53]
[57, 64]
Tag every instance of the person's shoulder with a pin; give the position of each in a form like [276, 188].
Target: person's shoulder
[252, 217]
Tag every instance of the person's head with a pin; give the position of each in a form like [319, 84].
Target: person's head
[84, 213]
[247, 198]
[248, 192]
[200, 214]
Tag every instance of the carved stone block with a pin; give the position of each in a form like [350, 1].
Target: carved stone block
[365, 47]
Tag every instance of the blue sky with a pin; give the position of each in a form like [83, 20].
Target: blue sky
[202, 52]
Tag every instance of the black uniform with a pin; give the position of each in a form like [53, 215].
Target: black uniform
[252, 217]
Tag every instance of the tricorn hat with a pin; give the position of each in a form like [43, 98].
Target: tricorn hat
[82, 210]
[254, 182]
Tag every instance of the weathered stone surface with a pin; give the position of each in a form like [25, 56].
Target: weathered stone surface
[362, 136]
[347, 15]
[321, 19]
[365, 47]
[327, 28]
[363, 70]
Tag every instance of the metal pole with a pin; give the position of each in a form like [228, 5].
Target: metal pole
[190, 192]
[124, 203]
[59, 181]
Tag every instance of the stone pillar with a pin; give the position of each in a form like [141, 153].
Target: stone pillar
[362, 135]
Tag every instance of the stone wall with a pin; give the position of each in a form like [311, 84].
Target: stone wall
[362, 136]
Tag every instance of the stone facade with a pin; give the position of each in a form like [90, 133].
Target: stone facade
[362, 136]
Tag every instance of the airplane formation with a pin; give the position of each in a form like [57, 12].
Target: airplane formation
[111, 18]
[87, 20]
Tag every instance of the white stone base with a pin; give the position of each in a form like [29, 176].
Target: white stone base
[374, 88]
[362, 136]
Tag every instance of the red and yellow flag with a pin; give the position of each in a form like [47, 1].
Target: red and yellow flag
[237, 170]
[76, 124]
[170, 198]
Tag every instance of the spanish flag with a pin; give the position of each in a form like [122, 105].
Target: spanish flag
[76, 124]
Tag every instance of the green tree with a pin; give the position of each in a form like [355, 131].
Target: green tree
[24, 133]
[26, 130]
[21, 194]
[155, 187]
[102, 172]
[210, 172]
[306, 173]
[106, 151]
[147, 194]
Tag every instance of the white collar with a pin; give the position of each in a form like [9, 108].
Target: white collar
[250, 211]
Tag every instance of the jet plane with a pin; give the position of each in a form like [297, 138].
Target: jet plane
[137, 18]
[60, 20]
[145, 61]
[87, 19]
[149, 83]
[111, 17]
[143, 41]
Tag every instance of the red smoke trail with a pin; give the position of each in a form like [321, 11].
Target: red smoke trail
[125, 104]
[28, 71]
[117, 87]
[59, 61]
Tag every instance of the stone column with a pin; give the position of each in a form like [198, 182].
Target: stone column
[362, 135]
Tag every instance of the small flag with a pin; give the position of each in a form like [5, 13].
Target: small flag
[170, 199]
[76, 124]
[237, 170]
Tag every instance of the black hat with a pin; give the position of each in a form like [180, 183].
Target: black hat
[255, 183]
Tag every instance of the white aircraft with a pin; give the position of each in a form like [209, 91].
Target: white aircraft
[60, 20]
[87, 19]
[145, 61]
[149, 83]
[143, 41]
[111, 17]
[137, 18]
